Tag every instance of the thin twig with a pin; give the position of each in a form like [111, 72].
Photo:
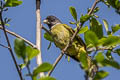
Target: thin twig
[4, 46]
[38, 34]
[18, 36]
[93, 7]
[71, 40]
[29, 72]
[102, 48]
[55, 63]
[10, 49]
[46, 30]
[94, 54]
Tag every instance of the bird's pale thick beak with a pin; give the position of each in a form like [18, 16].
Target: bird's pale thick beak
[45, 21]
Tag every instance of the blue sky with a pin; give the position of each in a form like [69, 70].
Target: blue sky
[23, 23]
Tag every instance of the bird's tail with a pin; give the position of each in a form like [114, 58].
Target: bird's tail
[86, 63]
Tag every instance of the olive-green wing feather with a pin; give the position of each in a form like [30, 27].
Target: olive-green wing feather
[77, 36]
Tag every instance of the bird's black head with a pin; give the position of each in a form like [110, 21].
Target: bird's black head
[51, 21]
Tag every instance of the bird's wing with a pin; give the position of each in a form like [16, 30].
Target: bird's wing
[77, 36]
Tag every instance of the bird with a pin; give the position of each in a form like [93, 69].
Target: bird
[61, 34]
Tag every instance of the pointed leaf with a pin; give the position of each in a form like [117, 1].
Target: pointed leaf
[72, 22]
[48, 37]
[96, 9]
[110, 63]
[117, 51]
[83, 30]
[42, 68]
[22, 66]
[84, 18]
[105, 24]
[12, 3]
[31, 52]
[19, 47]
[115, 28]
[83, 60]
[91, 38]
[73, 12]
[96, 27]
[100, 75]
[99, 57]
[111, 41]
[109, 55]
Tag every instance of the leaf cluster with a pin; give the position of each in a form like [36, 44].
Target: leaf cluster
[27, 53]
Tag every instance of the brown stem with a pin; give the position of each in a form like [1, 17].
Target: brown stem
[71, 40]
[55, 63]
[46, 30]
[18, 36]
[10, 49]
[3, 46]
[29, 72]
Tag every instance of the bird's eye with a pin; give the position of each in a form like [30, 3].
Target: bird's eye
[52, 20]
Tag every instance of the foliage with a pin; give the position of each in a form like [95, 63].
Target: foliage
[73, 12]
[95, 38]
[103, 43]
[12, 3]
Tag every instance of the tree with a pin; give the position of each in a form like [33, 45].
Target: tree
[100, 46]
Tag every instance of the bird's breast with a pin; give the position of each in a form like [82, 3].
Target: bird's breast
[61, 36]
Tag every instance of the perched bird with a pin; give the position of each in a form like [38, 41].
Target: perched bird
[61, 35]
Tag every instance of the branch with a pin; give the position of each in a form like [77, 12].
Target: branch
[4, 46]
[9, 45]
[55, 64]
[29, 72]
[38, 34]
[71, 40]
[18, 36]
[46, 30]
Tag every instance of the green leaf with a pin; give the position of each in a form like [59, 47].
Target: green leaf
[108, 55]
[42, 68]
[99, 57]
[106, 3]
[96, 27]
[101, 41]
[31, 52]
[112, 3]
[83, 30]
[22, 66]
[47, 78]
[83, 60]
[84, 18]
[19, 48]
[110, 63]
[115, 28]
[117, 51]
[48, 37]
[100, 75]
[73, 12]
[12, 3]
[105, 24]
[109, 33]
[111, 41]
[68, 58]
[91, 38]
[96, 9]
[7, 24]
[72, 22]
